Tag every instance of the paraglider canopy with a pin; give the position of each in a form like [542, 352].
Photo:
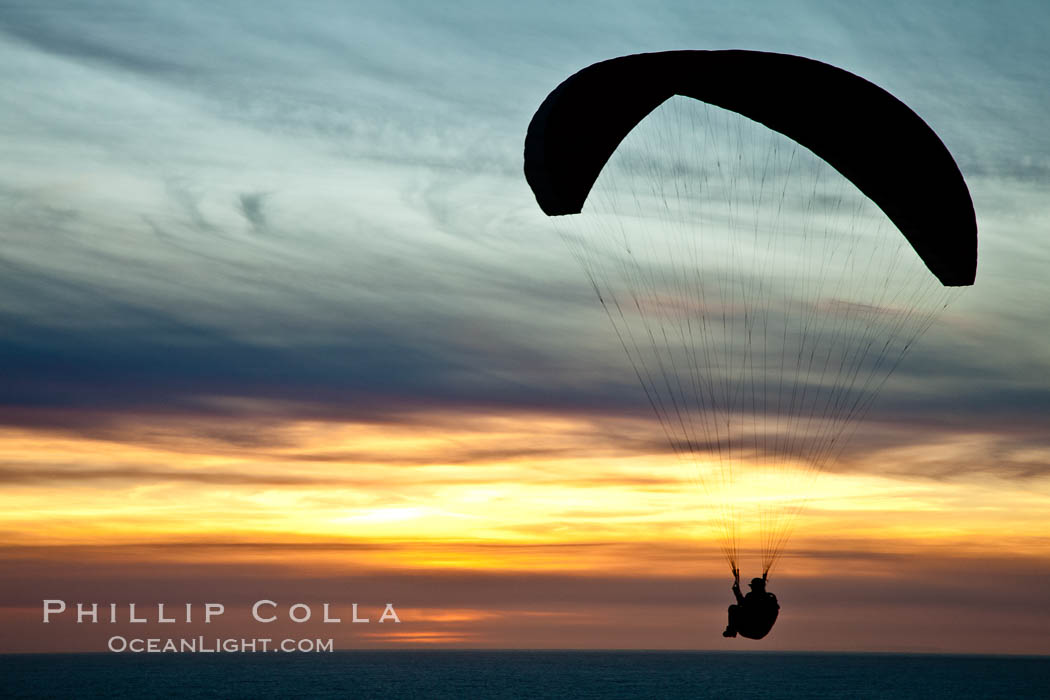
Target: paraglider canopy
[865, 133]
[742, 232]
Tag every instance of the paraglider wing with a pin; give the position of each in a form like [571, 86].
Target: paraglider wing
[869, 136]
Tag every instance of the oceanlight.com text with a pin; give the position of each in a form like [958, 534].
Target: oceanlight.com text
[211, 645]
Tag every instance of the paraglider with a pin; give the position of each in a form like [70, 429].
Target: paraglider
[753, 615]
[739, 215]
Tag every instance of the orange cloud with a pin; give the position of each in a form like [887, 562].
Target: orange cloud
[512, 530]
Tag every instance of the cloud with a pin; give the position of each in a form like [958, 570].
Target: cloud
[35, 475]
[406, 273]
[899, 602]
[252, 208]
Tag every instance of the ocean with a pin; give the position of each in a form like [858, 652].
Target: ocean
[524, 674]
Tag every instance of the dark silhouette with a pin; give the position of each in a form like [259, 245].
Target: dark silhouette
[754, 614]
[858, 128]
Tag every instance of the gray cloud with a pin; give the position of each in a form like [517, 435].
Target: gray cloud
[252, 208]
[405, 266]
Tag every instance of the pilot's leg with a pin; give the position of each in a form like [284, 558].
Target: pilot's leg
[734, 616]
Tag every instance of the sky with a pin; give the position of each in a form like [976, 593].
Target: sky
[281, 319]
